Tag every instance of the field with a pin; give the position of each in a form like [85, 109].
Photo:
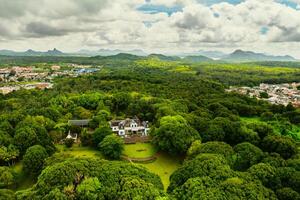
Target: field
[81, 152]
[139, 150]
[164, 166]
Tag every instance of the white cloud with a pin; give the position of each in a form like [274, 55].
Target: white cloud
[75, 24]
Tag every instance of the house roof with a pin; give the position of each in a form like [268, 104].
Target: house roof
[127, 122]
[83, 122]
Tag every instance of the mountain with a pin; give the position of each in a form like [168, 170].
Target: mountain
[120, 56]
[5, 52]
[54, 52]
[31, 52]
[212, 54]
[249, 56]
[164, 57]
[197, 59]
[108, 52]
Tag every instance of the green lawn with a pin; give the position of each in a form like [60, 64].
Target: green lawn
[164, 166]
[139, 150]
[80, 152]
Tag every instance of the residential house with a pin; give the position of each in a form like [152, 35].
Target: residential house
[129, 127]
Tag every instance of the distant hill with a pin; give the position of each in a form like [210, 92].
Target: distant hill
[31, 52]
[164, 57]
[120, 56]
[212, 54]
[249, 56]
[197, 59]
[108, 52]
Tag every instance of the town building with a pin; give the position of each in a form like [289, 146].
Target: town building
[55, 67]
[280, 94]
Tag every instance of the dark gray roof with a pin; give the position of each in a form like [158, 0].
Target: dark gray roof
[83, 122]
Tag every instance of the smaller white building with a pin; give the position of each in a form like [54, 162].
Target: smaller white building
[72, 136]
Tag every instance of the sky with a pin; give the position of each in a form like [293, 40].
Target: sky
[160, 26]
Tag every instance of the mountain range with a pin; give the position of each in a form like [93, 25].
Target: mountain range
[198, 56]
[31, 52]
[249, 56]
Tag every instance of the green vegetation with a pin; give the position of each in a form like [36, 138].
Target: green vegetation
[79, 152]
[164, 166]
[209, 144]
[112, 147]
[139, 150]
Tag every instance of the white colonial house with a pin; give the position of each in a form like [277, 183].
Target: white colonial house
[130, 127]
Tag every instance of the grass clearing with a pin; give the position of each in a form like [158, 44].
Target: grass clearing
[79, 151]
[139, 150]
[164, 166]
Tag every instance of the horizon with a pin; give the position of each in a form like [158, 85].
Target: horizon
[131, 52]
[154, 26]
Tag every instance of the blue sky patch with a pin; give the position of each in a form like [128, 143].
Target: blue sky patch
[153, 9]
[264, 30]
[212, 2]
[288, 3]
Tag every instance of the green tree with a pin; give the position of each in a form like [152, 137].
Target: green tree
[73, 176]
[264, 95]
[274, 159]
[34, 159]
[266, 174]
[90, 189]
[24, 138]
[238, 188]
[174, 135]
[7, 177]
[9, 155]
[112, 146]
[86, 138]
[69, 142]
[211, 147]
[287, 194]
[263, 129]
[289, 177]
[247, 155]
[283, 145]
[6, 194]
[215, 132]
[5, 139]
[295, 163]
[6, 127]
[135, 188]
[214, 166]
[199, 188]
[55, 194]
[100, 133]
